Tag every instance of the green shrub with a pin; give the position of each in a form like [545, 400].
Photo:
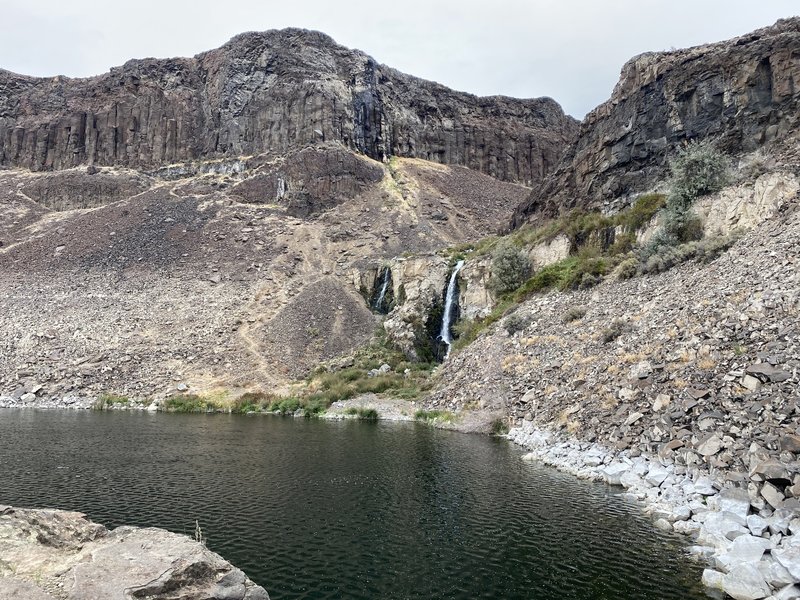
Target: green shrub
[188, 403]
[697, 170]
[499, 427]
[510, 267]
[628, 268]
[574, 313]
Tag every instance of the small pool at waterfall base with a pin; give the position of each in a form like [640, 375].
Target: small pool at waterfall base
[318, 509]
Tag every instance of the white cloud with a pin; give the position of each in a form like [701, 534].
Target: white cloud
[571, 50]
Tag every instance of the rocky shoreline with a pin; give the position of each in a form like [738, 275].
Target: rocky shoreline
[748, 537]
[60, 555]
[746, 534]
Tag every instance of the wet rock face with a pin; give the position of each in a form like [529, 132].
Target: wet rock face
[742, 93]
[274, 91]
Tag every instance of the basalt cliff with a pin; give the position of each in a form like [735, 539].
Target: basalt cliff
[273, 92]
[743, 93]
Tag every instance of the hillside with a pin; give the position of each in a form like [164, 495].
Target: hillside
[219, 222]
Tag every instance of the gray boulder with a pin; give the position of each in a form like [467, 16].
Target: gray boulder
[745, 582]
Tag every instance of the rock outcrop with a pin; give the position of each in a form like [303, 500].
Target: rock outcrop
[50, 554]
[741, 93]
[273, 92]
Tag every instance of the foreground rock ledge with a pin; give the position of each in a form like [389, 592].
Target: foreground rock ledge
[60, 555]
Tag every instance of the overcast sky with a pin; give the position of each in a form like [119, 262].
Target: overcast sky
[571, 50]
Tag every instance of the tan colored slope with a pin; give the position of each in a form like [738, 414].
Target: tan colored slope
[209, 280]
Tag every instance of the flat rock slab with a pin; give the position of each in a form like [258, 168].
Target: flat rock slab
[12, 588]
[66, 551]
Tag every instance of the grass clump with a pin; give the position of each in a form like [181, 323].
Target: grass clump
[405, 379]
[285, 406]
[363, 414]
[252, 402]
[641, 212]
[434, 416]
[469, 330]
[188, 403]
[108, 401]
[499, 427]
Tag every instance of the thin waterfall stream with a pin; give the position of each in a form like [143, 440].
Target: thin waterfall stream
[387, 277]
[449, 302]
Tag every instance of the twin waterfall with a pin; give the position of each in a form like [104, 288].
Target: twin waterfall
[450, 300]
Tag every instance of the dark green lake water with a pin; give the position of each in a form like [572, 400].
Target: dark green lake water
[314, 509]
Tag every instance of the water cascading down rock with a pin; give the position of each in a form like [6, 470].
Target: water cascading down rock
[380, 304]
[450, 304]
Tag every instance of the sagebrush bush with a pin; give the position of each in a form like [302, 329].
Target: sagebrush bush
[516, 322]
[510, 268]
[628, 268]
[573, 313]
[665, 257]
[612, 332]
[697, 170]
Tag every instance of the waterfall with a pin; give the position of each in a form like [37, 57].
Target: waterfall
[449, 301]
[387, 277]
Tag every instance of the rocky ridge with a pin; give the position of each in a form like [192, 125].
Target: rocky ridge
[60, 555]
[740, 92]
[275, 91]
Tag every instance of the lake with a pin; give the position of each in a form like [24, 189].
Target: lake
[319, 509]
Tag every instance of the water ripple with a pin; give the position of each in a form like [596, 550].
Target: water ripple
[348, 510]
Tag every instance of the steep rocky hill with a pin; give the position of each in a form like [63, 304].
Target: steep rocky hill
[206, 275]
[743, 93]
[276, 92]
[220, 221]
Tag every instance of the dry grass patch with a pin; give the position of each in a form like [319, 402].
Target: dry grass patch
[707, 363]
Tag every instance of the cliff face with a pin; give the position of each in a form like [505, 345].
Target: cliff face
[271, 92]
[743, 93]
